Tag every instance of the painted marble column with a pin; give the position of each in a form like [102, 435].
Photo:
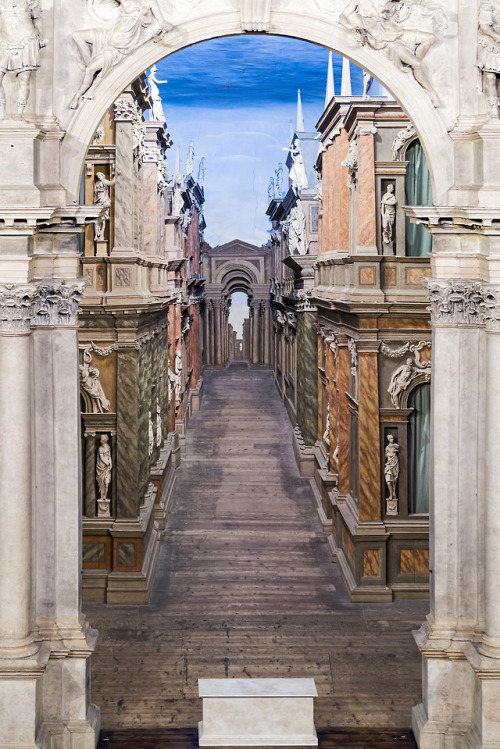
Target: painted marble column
[90, 481]
[124, 206]
[15, 471]
[307, 379]
[267, 335]
[127, 433]
[367, 222]
[218, 333]
[343, 414]
[369, 440]
[256, 333]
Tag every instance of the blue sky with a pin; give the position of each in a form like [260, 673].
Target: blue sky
[235, 98]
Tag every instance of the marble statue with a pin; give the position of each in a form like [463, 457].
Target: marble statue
[298, 176]
[120, 28]
[157, 112]
[326, 435]
[103, 469]
[297, 237]
[278, 182]
[186, 222]
[388, 210]
[202, 168]
[270, 190]
[400, 381]
[99, 136]
[190, 160]
[159, 424]
[20, 44]
[391, 474]
[178, 375]
[367, 84]
[351, 162]
[401, 139]
[151, 435]
[102, 197]
[488, 58]
[319, 189]
[177, 199]
[89, 380]
[380, 25]
[335, 456]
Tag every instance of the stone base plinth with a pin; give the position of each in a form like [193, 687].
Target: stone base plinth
[257, 712]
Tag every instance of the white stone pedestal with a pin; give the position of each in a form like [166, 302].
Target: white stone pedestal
[257, 712]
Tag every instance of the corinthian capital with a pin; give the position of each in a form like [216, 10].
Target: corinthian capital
[455, 301]
[57, 304]
[16, 308]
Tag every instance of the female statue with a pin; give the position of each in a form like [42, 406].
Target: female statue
[89, 379]
[391, 468]
[388, 210]
[400, 381]
[20, 44]
[104, 466]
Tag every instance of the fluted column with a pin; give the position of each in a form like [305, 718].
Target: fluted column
[256, 337]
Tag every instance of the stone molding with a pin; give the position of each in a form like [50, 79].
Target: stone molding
[44, 304]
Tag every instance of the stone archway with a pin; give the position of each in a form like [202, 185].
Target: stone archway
[44, 641]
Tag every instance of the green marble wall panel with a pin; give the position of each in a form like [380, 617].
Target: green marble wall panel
[307, 376]
[146, 407]
[93, 552]
[126, 555]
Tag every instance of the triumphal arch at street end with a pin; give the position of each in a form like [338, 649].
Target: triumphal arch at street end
[62, 65]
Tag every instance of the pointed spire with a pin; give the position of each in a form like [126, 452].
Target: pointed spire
[330, 82]
[300, 115]
[346, 78]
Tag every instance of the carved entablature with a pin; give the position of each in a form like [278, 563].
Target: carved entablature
[455, 302]
[57, 304]
[16, 308]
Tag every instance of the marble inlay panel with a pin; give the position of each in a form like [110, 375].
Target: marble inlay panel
[414, 562]
[126, 555]
[371, 563]
[92, 552]
[389, 276]
[127, 463]
[367, 224]
[413, 275]
[367, 276]
[348, 545]
[369, 454]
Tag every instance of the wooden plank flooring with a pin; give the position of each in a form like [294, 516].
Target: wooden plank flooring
[245, 588]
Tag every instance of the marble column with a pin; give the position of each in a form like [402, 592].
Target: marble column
[218, 334]
[125, 113]
[256, 333]
[267, 335]
[307, 376]
[369, 440]
[15, 471]
[127, 433]
[343, 413]
[90, 480]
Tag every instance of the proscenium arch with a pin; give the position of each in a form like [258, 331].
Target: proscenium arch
[430, 127]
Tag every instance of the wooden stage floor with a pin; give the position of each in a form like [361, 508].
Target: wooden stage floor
[245, 588]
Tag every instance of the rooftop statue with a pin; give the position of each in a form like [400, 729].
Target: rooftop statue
[157, 112]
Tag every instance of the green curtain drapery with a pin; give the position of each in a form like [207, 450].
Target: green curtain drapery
[419, 435]
[418, 191]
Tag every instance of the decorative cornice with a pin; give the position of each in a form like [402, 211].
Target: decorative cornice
[16, 308]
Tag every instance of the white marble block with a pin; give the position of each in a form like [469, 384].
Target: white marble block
[257, 712]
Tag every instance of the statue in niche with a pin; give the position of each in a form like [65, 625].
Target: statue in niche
[178, 374]
[401, 139]
[297, 238]
[151, 435]
[89, 380]
[119, 30]
[157, 112]
[104, 466]
[279, 181]
[380, 26]
[102, 197]
[488, 58]
[159, 424]
[400, 381]
[177, 199]
[388, 210]
[270, 190]
[20, 45]
[391, 474]
[298, 176]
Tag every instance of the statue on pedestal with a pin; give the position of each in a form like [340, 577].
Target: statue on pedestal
[391, 474]
[388, 211]
[20, 44]
[488, 57]
[104, 467]
[102, 197]
[157, 112]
